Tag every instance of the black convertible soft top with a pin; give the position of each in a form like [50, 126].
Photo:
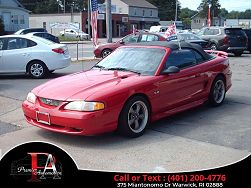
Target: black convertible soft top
[175, 46]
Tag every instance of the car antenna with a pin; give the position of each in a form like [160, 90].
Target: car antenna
[178, 38]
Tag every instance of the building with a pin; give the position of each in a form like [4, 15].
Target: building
[125, 14]
[45, 20]
[198, 22]
[244, 23]
[14, 15]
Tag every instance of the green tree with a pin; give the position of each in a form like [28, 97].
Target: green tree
[223, 12]
[215, 8]
[185, 16]
[187, 13]
[167, 8]
[1, 27]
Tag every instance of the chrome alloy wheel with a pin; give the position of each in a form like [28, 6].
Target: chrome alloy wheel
[137, 116]
[219, 91]
[36, 70]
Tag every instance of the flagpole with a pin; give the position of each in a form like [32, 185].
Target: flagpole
[89, 20]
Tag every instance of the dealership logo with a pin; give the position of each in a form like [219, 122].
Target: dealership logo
[37, 166]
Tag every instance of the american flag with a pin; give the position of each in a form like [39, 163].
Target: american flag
[209, 15]
[94, 21]
[170, 32]
[134, 30]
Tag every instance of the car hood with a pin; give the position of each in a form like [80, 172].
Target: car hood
[80, 85]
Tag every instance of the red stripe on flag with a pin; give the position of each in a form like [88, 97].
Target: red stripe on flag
[94, 22]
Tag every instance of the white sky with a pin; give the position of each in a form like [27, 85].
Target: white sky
[238, 5]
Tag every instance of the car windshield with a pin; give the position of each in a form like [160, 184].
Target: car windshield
[144, 61]
[189, 36]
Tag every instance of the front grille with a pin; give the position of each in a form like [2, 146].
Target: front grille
[50, 102]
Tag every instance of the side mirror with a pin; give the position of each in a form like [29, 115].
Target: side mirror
[170, 70]
[121, 42]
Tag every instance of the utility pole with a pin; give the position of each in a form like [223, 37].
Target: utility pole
[176, 11]
[64, 6]
[108, 21]
[89, 20]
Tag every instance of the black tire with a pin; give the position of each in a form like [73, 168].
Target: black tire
[37, 69]
[134, 117]
[238, 54]
[213, 46]
[217, 91]
[106, 52]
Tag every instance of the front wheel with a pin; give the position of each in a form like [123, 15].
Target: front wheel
[217, 92]
[134, 117]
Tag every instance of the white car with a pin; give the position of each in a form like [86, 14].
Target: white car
[31, 55]
[71, 33]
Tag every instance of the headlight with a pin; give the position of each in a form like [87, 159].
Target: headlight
[31, 98]
[84, 106]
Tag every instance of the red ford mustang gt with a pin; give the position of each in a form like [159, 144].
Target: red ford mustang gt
[130, 88]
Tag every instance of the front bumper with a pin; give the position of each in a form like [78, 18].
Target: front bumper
[71, 122]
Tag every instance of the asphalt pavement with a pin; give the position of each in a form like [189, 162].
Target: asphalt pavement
[201, 138]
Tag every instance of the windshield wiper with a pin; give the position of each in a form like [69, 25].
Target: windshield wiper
[99, 66]
[123, 69]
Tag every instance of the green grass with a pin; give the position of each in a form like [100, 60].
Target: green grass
[63, 39]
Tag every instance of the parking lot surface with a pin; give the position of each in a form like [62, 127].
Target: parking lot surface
[201, 138]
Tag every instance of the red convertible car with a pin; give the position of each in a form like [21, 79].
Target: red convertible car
[130, 88]
[103, 50]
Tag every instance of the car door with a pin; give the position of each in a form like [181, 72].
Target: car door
[180, 88]
[17, 54]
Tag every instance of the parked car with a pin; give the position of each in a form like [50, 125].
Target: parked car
[103, 50]
[30, 30]
[233, 40]
[248, 33]
[130, 88]
[45, 35]
[189, 37]
[31, 55]
[192, 38]
[71, 33]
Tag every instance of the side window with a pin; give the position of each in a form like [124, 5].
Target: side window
[131, 39]
[216, 31]
[199, 57]
[148, 38]
[209, 32]
[19, 43]
[181, 59]
[1, 44]
[152, 38]
[143, 38]
[31, 43]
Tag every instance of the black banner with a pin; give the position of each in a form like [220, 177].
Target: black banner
[38, 163]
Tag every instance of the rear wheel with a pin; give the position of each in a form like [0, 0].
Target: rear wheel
[134, 117]
[106, 52]
[37, 69]
[217, 92]
[238, 53]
